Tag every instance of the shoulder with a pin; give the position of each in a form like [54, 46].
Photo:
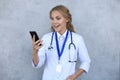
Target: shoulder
[78, 40]
[76, 36]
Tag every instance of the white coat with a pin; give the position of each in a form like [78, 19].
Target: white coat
[50, 57]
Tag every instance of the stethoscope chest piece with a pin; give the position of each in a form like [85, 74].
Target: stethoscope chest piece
[50, 47]
[71, 47]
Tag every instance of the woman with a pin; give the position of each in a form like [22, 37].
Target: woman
[61, 49]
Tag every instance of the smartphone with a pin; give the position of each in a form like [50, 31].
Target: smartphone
[34, 33]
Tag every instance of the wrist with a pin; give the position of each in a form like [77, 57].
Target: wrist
[78, 73]
[35, 52]
[75, 77]
[34, 55]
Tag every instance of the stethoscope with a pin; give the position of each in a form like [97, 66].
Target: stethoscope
[69, 47]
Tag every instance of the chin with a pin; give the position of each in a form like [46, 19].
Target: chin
[57, 30]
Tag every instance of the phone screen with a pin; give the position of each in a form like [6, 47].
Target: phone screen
[34, 33]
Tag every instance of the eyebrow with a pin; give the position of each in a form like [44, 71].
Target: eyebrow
[56, 17]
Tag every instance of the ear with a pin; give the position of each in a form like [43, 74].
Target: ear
[66, 20]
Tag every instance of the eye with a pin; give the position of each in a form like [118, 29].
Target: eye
[58, 18]
[51, 18]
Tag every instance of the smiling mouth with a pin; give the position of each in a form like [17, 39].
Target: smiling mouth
[56, 26]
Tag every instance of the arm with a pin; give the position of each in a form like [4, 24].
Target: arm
[36, 46]
[84, 60]
[35, 59]
[76, 75]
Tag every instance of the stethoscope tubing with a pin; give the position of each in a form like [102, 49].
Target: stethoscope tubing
[71, 43]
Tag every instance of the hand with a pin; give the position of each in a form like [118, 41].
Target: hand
[36, 44]
[71, 77]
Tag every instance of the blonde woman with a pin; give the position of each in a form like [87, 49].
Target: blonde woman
[61, 48]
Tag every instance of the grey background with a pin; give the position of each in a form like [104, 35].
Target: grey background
[98, 21]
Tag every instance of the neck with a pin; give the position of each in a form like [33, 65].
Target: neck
[62, 32]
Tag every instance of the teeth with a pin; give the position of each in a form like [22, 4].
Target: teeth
[56, 26]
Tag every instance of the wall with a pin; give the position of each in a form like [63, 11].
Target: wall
[96, 20]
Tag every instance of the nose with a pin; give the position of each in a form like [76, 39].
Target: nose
[54, 21]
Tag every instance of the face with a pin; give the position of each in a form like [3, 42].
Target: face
[58, 22]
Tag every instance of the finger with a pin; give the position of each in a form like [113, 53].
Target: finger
[33, 38]
[69, 78]
[37, 47]
[40, 44]
[37, 42]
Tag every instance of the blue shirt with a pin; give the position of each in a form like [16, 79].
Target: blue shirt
[51, 57]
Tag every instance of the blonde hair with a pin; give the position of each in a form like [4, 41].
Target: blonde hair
[66, 14]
